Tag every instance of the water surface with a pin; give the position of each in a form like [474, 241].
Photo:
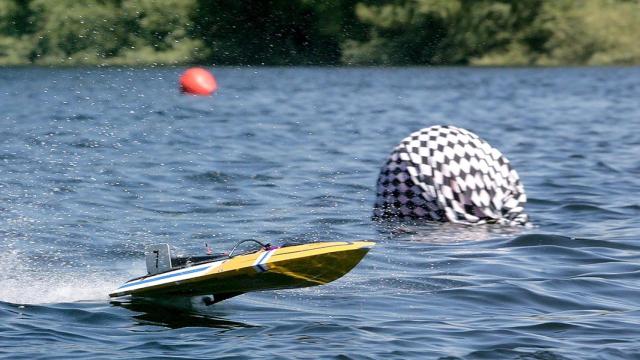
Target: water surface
[97, 163]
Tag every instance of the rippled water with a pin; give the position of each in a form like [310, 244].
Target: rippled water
[97, 163]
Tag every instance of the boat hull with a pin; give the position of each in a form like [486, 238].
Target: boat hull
[282, 268]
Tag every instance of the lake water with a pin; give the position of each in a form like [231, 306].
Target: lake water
[97, 163]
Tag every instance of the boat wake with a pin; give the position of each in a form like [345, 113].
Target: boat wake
[24, 282]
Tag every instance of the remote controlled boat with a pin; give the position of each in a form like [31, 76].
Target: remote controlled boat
[223, 276]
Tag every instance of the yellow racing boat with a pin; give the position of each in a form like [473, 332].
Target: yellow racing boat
[223, 276]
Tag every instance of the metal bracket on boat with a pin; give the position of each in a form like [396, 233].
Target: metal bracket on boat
[212, 299]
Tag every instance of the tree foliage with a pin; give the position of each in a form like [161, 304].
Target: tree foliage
[286, 32]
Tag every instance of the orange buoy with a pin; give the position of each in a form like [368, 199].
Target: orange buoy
[198, 81]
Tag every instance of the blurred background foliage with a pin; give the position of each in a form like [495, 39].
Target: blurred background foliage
[316, 32]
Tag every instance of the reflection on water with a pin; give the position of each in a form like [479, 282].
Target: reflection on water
[175, 312]
[433, 232]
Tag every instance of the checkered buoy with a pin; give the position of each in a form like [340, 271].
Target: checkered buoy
[445, 173]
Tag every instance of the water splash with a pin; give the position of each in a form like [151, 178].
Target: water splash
[23, 281]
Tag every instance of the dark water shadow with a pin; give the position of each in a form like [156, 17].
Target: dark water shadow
[566, 242]
[175, 313]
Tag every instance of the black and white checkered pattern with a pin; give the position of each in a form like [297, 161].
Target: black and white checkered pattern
[445, 173]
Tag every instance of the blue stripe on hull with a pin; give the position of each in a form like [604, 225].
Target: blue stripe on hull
[162, 277]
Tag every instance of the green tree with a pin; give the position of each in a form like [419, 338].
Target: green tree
[440, 31]
[289, 32]
[72, 32]
[97, 32]
[161, 32]
[15, 45]
[593, 32]
[274, 31]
